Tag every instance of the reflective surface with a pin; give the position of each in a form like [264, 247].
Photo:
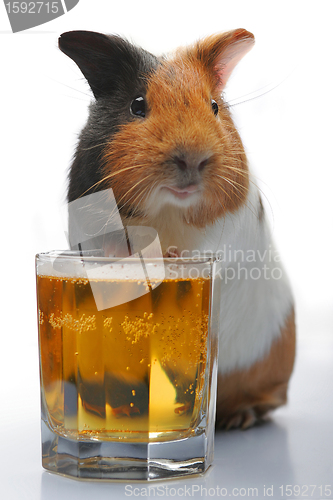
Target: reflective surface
[295, 448]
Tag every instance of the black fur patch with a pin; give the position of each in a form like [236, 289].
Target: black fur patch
[117, 73]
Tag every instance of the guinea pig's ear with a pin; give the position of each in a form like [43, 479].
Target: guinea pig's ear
[104, 60]
[222, 52]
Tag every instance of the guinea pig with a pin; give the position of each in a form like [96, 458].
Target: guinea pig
[161, 135]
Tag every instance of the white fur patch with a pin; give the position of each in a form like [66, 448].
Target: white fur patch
[256, 297]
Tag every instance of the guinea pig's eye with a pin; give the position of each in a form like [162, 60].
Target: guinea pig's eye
[215, 107]
[138, 107]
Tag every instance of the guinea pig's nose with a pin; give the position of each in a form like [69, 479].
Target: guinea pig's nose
[191, 162]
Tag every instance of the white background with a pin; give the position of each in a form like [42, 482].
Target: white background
[287, 131]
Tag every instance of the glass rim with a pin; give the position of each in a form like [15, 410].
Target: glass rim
[87, 256]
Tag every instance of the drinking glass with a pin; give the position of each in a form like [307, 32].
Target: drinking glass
[128, 364]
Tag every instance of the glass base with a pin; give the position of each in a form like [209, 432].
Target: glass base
[108, 460]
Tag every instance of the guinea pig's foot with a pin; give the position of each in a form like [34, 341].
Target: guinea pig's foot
[243, 419]
[125, 410]
[182, 410]
[92, 408]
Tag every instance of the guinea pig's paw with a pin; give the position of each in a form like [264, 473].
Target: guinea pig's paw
[125, 410]
[242, 419]
[184, 409]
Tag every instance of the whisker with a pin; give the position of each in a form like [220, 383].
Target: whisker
[254, 184]
[233, 183]
[135, 200]
[270, 87]
[133, 187]
[266, 198]
[241, 199]
[242, 187]
[242, 173]
[96, 146]
[117, 205]
[225, 192]
[72, 88]
[108, 177]
[143, 193]
[237, 196]
[235, 169]
[219, 242]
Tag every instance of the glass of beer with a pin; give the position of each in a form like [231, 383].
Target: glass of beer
[128, 364]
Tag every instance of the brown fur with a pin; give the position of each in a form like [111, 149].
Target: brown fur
[220, 54]
[180, 121]
[244, 397]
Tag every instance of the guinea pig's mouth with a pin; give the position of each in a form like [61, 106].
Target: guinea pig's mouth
[182, 193]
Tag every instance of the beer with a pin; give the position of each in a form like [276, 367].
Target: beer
[133, 372]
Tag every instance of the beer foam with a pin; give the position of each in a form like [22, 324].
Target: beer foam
[67, 265]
